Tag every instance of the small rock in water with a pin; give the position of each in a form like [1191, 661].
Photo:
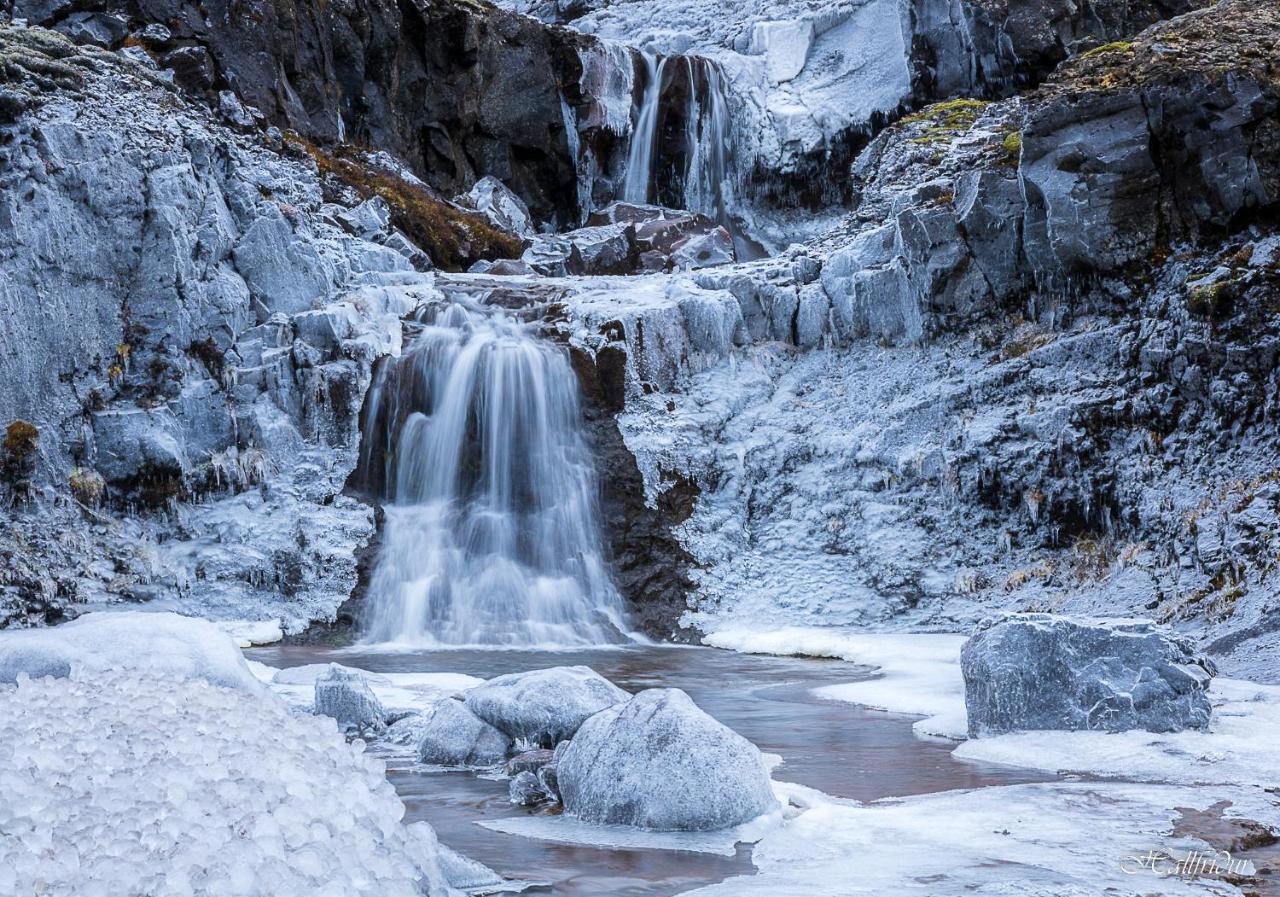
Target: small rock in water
[529, 761]
[346, 696]
[659, 762]
[543, 707]
[1040, 671]
[549, 778]
[451, 735]
[527, 791]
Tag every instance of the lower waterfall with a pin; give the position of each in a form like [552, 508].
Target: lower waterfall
[492, 535]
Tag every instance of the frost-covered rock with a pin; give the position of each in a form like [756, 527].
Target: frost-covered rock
[543, 707]
[157, 645]
[526, 790]
[448, 734]
[203, 790]
[345, 695]
[498, 203]
[529, 761]
[1038, 671]
[659, 762]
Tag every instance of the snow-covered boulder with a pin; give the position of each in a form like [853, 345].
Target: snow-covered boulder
[200, 790]
[659, 762]
[1039, 671]
[345, 695]
[159, 645]
[448, 734]
[543, 707]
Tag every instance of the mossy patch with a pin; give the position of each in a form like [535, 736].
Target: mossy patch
[453, 237]
[1116, 46]
[945, 120]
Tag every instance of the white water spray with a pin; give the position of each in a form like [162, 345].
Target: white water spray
[492, 532]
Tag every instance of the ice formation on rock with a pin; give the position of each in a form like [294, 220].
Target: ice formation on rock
[448, 734]
[162, 786]
[345, 696]
[1040, 671]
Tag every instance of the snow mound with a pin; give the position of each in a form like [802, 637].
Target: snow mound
[157, 786]
[543, 707]
[163, 645]
[659, 762]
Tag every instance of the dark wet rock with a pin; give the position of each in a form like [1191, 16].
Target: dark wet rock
[659, 762]
[543, 707]
[1038, 671]
[549, 779]
[529, 761]
[346, 696]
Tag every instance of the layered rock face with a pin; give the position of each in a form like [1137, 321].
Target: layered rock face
[1034, 671]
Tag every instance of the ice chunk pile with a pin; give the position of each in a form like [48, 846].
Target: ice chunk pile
[543, 707]
[659, 762]
[120, 784]
[160, 644]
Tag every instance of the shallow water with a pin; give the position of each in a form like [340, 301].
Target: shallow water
[838, 748]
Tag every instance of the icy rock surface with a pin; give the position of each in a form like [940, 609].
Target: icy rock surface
[448, 734]
[543, 707]
[346, 696]
[659, 762]
[1038, 671]
[526, 790]
[159, 645]
[198, 790]
[496, 201]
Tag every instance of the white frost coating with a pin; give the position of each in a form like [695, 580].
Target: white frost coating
[543, 707]
[398, 692]
[197, 791]
[660, 762]
[917, 674]
[1050, 840]
[161, 645]
[786, 46]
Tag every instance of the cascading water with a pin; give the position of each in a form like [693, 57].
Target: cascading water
[492, 532]
[639, 174]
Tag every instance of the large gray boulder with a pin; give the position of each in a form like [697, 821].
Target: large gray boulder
[543, 707]
[1039, 671]
[659, 762]
[448, 734]
[345, 695]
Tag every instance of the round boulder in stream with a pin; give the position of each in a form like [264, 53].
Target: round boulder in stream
[543, 707]
[659, 762]
[448, 734]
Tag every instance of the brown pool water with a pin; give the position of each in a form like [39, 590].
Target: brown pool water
[838, 748]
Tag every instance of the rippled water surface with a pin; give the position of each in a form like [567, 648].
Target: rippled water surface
[838, 748]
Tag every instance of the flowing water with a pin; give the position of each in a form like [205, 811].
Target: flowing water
[837, 748]
[491, 537]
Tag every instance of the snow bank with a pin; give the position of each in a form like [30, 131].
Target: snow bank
[247, 633]
[162, 645]
[398, 692]
[119, 784]
[917, 674]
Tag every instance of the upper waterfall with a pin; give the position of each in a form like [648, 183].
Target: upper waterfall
[492, 532]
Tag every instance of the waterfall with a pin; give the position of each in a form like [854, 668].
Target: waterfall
[700, 152]
[492, 536]
[645, 134]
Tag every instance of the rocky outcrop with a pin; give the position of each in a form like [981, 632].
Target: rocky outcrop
[190, 328]
[659, 762]
[1036, 671]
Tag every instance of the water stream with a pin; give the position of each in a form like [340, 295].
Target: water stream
[837, 748]
[492, 536]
